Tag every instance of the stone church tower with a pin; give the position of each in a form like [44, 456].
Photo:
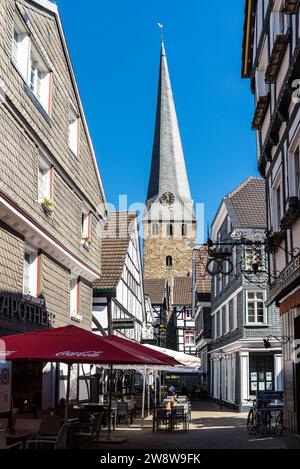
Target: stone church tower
[169, 223]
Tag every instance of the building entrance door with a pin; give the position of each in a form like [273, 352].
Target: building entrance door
[297, 375]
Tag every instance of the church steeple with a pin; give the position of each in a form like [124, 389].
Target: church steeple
[168, 169]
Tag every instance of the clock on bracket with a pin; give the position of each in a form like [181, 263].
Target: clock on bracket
[167, 198]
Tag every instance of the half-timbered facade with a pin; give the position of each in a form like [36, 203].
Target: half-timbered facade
[51, 197]
[119, 303]
[158, 292]
[182, 319]
[271, 60]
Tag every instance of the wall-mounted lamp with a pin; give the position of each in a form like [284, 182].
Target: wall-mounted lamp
[284, 340]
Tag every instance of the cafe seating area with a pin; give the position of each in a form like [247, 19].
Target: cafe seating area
[174, 414]
[48, 429]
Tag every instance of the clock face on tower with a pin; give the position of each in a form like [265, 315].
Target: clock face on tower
[167, 198]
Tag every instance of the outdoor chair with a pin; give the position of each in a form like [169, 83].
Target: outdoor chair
[161, 416]
[50, 426]
[180, 416]
[3, 424]
[123, 413]
[89, 430]
[28, 424]
[64, 440]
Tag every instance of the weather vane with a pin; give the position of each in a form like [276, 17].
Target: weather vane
[161, 27]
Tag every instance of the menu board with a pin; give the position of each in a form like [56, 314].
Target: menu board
[5, 386]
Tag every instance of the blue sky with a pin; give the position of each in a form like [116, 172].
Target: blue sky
[115, 47]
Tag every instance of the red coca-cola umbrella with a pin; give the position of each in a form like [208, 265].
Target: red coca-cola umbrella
[133, 347]
[71, 345]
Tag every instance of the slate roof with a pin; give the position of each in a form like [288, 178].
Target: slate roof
[155, 289]
[168, 169]
[182, 291]
[114, 247]
[203, 282]
[247, 204]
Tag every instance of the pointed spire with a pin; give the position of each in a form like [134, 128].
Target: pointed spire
[168, 169]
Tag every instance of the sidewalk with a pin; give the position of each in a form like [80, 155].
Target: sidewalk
[211, 428]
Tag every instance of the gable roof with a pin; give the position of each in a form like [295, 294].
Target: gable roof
[53, 8]
[182, 291]
[247, 204]
[155, 289]
[114, 246]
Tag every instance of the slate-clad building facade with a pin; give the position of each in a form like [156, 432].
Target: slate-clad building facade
[239, 363]
[271, 61]
[52, 204]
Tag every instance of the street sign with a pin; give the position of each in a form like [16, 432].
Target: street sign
[269, 395]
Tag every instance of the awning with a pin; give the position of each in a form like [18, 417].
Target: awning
[189, 363]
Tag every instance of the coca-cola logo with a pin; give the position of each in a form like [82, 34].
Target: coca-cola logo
[87, 354]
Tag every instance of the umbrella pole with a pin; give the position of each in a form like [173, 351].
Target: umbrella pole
[155, 388]
[148, 382]
[68, 392]
[110, 401]
[143, 399]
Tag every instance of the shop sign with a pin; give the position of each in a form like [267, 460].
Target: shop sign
[5, 387]
[24, 310]
[123, 324]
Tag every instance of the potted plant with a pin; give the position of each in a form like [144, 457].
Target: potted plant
[86, 242]
[48, 204]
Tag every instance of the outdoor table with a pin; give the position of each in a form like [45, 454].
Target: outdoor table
[20, 436]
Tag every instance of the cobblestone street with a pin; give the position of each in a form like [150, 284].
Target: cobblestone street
[211, 428]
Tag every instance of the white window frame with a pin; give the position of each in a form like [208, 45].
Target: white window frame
[85, 224]
[189, 334]
[294, 191]
[256, 300]
[227, 324]
[21, 47]
[275, 219]
[262, 88]
[73, 132]
[31, 288]
[74, 298]
[45, 179]
[235, 313]
[31, 65]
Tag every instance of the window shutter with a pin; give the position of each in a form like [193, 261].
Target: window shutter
[78, 297]
[39, 288]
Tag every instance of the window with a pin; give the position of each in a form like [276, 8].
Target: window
[277, 205]
[155, 229]
[170, 230]
[30, 273]
[188, 314]
[86, 224]
[44, 181]
[74, 297]
[74, 133]
[184, 229]
[169, 261]
[189, 338]
[256, 311]
[297, 173]
[30, 65]
[21, 48]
